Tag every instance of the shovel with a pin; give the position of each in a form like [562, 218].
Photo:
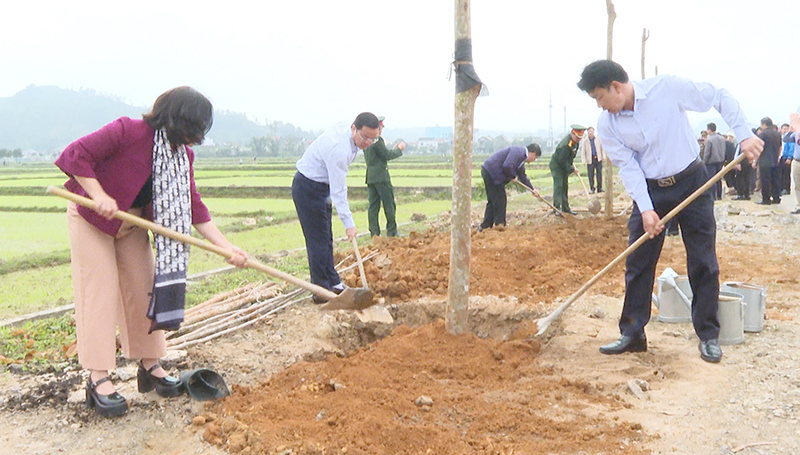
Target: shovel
[594, 204]
[567, 216]
[377, 313]
[544, 323]
[349, 299]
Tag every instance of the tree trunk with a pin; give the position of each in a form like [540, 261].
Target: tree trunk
[609, 167]
[645, 35]
[456, 318]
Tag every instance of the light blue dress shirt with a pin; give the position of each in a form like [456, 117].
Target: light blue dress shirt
[327, 160]
[655, 139]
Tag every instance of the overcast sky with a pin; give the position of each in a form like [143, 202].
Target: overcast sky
[313, 63]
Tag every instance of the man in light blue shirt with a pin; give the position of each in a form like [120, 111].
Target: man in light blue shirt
[646, 132]
[321, 180]
[793, 138]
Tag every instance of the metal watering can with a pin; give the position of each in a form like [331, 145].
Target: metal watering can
[672, 301]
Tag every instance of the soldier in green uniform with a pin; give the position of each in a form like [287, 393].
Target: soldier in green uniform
[379, 184]
[561, 166]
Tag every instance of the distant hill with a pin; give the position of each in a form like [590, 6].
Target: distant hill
[49, 118]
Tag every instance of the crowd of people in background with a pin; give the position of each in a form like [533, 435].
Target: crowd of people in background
[775, 174]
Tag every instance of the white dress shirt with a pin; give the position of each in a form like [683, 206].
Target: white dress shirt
[655, 139]
[327, 160]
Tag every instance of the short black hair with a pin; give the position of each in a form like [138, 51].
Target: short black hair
[535, 149]
[785, 124]
[184, 113]
[367, 119]
[601, 73]
[712, 126]
[767, 121]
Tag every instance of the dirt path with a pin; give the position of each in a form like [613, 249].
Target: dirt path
[486, 395]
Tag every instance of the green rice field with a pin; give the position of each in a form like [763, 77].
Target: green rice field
[34, 247]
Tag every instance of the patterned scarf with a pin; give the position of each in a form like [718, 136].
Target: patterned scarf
[172, 208]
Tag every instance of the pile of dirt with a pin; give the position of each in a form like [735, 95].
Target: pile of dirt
[422, 391]
[533, 263]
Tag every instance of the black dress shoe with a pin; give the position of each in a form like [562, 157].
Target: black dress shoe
[626, 343]
[165, 387]
[569, 211]
[763, 202]
[710, 350]
[111, 405]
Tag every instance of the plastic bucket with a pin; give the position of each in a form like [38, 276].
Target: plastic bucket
[671, 307]
[731, 318]
[204, 384]
[755, 303]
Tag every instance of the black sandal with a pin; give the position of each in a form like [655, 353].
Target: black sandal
[111, 405]
[165, 387]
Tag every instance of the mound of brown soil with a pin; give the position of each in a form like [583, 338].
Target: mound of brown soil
[423, 391]
[532, 263]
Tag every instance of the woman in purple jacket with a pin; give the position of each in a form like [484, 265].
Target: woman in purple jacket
[143, 167]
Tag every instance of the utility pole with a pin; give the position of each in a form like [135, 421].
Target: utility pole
[468, 86]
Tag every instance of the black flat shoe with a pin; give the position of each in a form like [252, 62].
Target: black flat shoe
[710, 350]
[626, 343]
[111, 405]
[165, 387]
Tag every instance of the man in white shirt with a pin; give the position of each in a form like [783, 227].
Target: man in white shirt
[320, 184]
[646, 132]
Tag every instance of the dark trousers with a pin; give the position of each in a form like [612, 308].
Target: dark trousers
[730, 178]
[495, 213]
[744, 179]
[770, 184]
[786, 175]
[312, 201]
[596, 167]
[560, 189]
[381, 193]
[716, 189]
[698, 228]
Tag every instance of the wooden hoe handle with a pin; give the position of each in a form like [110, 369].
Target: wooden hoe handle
[166, 232]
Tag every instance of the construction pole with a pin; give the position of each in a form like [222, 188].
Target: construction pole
[609, 177]
[468, 86]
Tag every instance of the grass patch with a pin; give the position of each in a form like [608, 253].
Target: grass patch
[34, 202]
[26, 233]
[34, 290]
[33, 261]
[37, 343]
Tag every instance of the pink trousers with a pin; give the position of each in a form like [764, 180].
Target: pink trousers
[112, 279]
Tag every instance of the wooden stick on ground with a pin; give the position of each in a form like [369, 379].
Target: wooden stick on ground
[232, 329]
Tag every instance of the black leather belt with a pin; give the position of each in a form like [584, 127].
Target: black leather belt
[673, 179]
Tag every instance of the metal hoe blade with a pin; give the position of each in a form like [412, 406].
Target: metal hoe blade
[351, 299]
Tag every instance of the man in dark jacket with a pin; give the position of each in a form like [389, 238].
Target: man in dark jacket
[561, 167]
[769, 173]
[505, 165]
[379, 184]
